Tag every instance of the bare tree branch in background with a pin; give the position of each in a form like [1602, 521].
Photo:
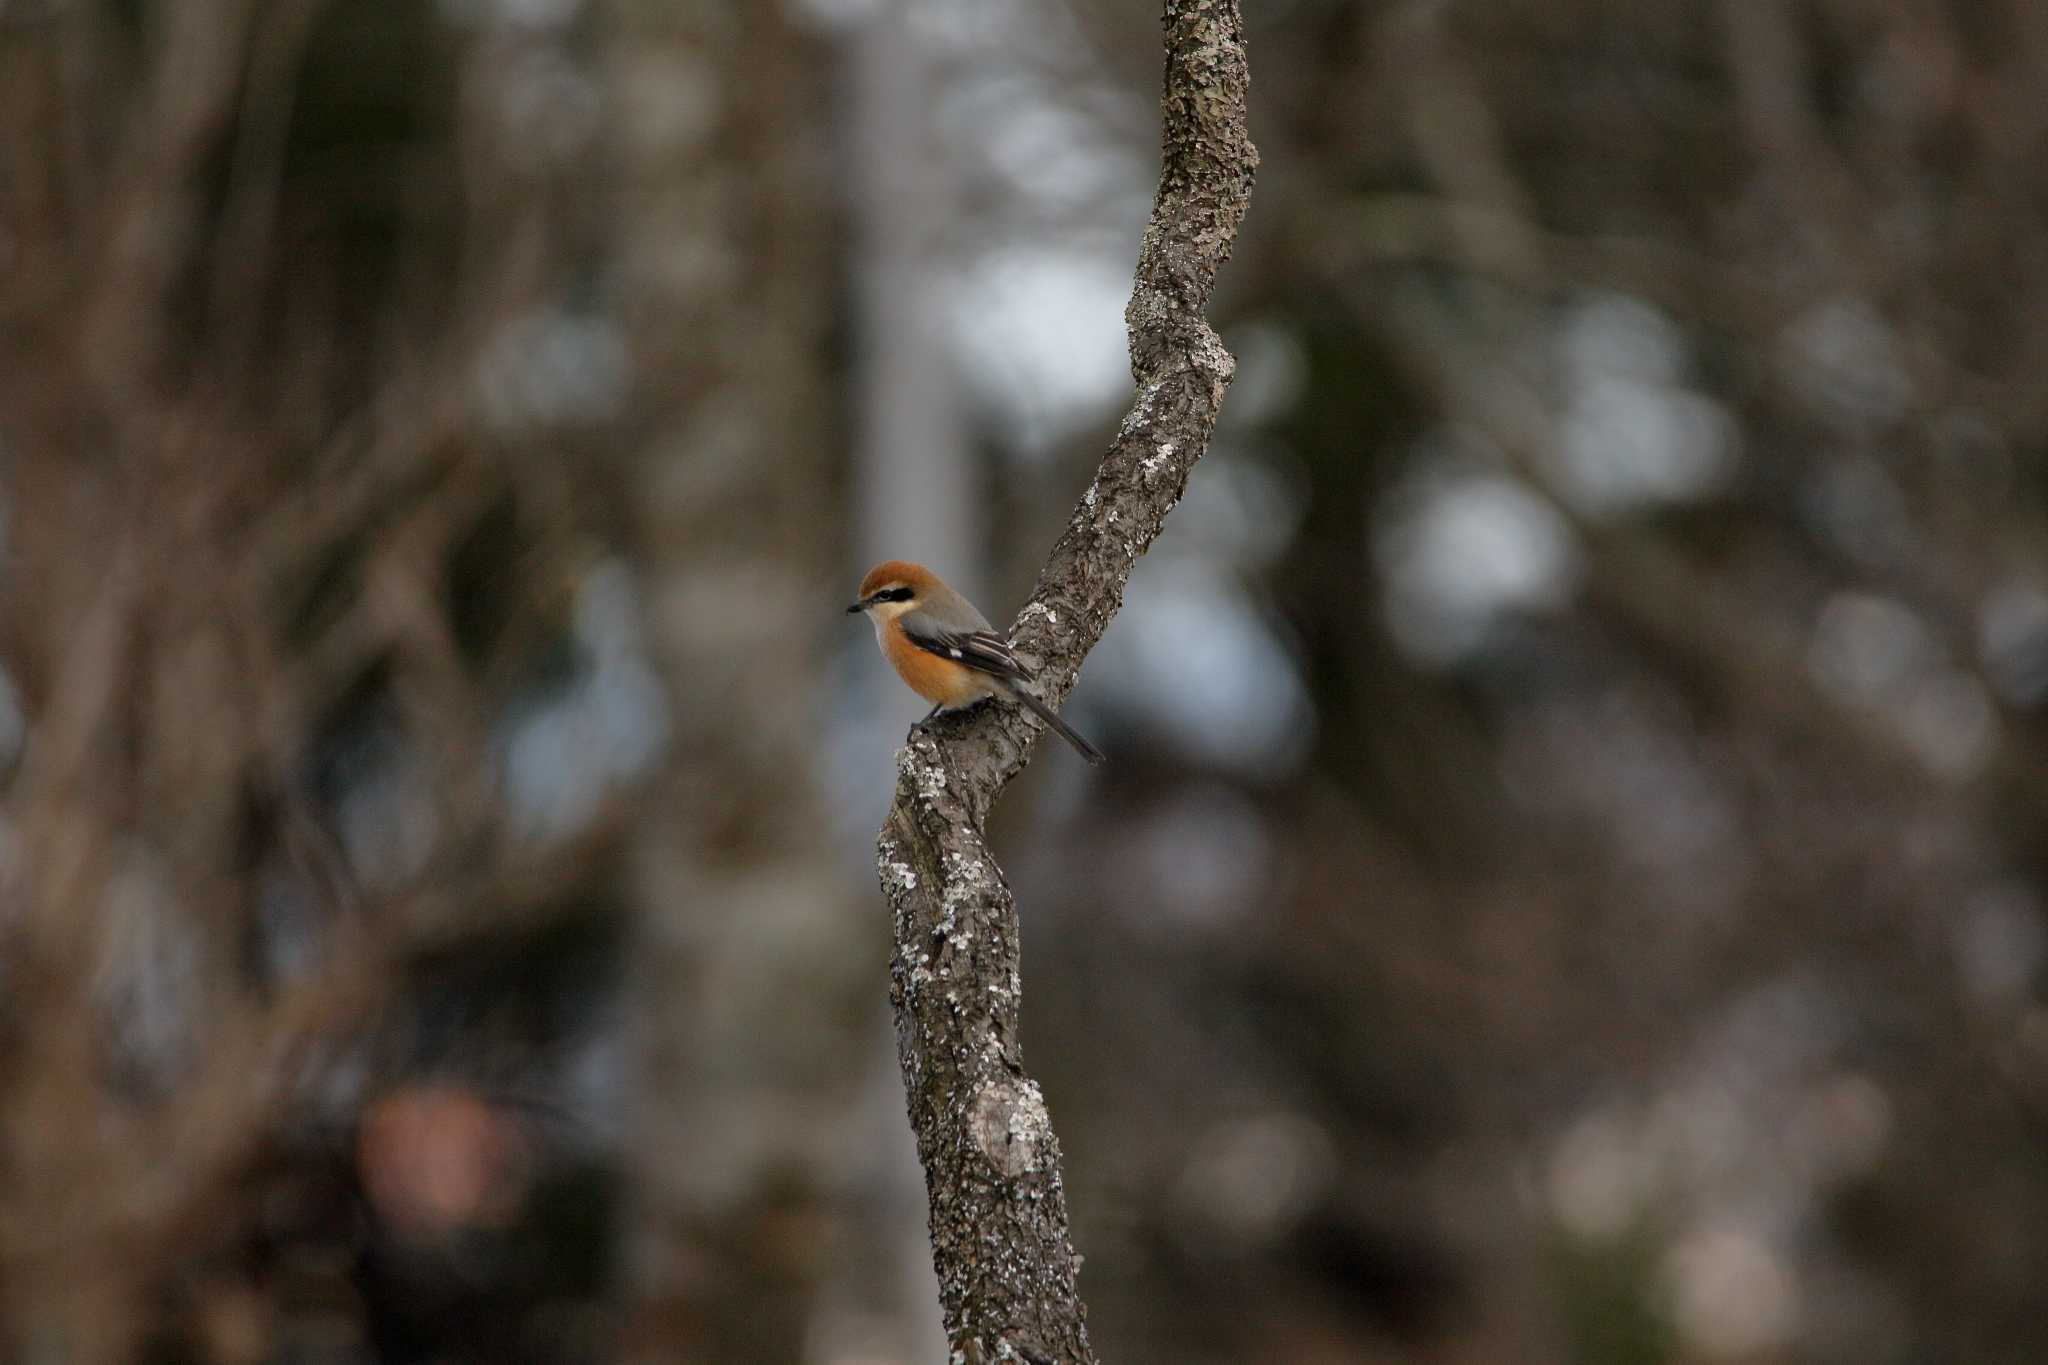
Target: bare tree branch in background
[999, 1233]
[278, 595]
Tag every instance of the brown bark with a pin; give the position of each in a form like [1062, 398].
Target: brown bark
[1000, 1241]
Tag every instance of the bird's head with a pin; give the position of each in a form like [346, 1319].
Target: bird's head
[892, 588]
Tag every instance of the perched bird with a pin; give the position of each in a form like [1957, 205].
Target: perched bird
[946, 650]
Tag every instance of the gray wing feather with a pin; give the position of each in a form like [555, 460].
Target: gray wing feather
[984, 651]
[987, 651]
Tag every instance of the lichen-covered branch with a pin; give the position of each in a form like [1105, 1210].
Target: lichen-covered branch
[1000, 1243]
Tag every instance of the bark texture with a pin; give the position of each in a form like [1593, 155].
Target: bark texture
[1000, 1243]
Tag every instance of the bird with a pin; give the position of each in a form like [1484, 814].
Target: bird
[945, 650]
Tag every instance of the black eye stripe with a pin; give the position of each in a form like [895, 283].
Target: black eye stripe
[896, 595]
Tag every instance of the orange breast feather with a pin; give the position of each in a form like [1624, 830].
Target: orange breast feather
[936, 679]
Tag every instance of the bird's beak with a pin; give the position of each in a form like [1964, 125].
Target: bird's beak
[856, 609]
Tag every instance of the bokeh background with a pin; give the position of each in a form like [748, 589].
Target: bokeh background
[1569, 883]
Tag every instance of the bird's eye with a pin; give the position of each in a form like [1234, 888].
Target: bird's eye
[897, 595]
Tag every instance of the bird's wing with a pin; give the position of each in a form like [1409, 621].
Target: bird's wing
[984, 651]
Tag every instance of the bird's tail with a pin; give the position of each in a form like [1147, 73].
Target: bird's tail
[1060, 727]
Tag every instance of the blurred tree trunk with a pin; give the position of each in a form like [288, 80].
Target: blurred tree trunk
[915, 494]
[753, 959]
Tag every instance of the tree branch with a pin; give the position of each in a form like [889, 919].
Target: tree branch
[999, 1233]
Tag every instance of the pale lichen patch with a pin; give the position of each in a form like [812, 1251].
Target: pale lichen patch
[1010, 1126]
[1152, 464]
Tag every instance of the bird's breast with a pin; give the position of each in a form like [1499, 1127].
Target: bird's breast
[938, 680]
